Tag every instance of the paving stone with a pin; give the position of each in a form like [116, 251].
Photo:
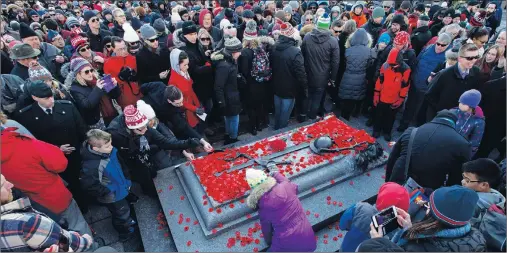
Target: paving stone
[97, 213]
[118, 246]
[104, 229]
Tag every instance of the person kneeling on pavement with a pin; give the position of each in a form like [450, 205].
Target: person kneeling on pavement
[104, 175]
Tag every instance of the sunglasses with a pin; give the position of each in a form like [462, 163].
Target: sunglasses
[309, 19]
[205, 39]
[84, 49]
[74, 26]
[35, 16]
[78, 12]
[387, 7]
[471, 58]
[153, 40]
[108, 45]
[441, 45]
[337, 31]
[93, 20]
[88, 71]
[313, 8]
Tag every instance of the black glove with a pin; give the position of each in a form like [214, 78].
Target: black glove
[199, 111]
[305, 93]
[193, 142]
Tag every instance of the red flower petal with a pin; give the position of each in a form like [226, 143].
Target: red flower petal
[316, 215]
[307, 212]
[340, 235]
[214, 231]
[248, 216]
[326, 236]
[231, 205]
[256, 249]
[187, 220]
[196, 222]
[313, 189]
[171, 212]
[189, 243]
[328, 197]
[171, 187]
[340, 204]
[351, 182]
[220, 225]
[219, 210]
[204, 203]
[332, 181]
[325, 241]
[182, 197]
[166, 234]
[335, 203]
[335, 238]
[368, 174]
[257, 241]
[185, 228]
[159, 190]
[210, 209]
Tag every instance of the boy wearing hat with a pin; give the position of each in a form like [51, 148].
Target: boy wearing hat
[105, 177]
[24, 55]
[470, 122]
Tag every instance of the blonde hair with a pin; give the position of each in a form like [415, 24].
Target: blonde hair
[95, 137]
[252, 43]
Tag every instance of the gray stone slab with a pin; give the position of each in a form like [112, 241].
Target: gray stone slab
[105, 230]
[118, 246]
[97, 213]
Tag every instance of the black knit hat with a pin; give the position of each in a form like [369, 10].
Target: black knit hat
[420, 7]
[398, 19]
[25, 31]
[229, 13]
[257, 10]
[50, 24]
[182, 12]
[188, 27]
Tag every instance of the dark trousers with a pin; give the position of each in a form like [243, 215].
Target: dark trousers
[493, 138]
[315, 95]
[413, 105]
[71, 176]
[120, 212]
[348, 106]
[256, 111]
[384, 118]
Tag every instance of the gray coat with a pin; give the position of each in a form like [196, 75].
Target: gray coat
[47, 58]
[358, 56]
[322, 57]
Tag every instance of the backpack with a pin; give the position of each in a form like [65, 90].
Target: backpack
[261, 70]
[491, 222]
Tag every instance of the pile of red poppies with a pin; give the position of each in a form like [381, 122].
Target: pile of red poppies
[232, 185]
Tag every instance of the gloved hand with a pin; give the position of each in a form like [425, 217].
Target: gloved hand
[193, 142]
[305, 93]
[376, 98]
[199, 111]
[398, 103]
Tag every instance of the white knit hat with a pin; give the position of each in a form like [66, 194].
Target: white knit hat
[130, 34]
[225, 22]
[146, 109]
[255, 177]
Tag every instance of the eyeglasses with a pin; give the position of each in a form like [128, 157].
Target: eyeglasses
[205, 39]
[309, 19]
[88, 71]
[387, 7]
[84, 49]
[470, 58]
[93, 20]
[35, 16]
[441, 45]
[313, 8]
[467, 180]
[153, 40]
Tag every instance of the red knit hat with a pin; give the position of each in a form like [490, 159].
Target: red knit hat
[402, 38]
[392, 194]
[77, 40]
[134, 118]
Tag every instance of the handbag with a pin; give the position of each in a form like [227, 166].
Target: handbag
[418, 198]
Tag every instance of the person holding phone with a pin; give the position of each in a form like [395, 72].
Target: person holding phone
[445, 228]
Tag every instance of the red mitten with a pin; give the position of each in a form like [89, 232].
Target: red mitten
[376, 98]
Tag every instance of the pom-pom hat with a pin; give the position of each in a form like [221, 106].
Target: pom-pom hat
[134, 119]
[255, 177]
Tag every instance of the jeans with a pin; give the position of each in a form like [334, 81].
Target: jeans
[231, 126]
[315, 96]
[283, 109]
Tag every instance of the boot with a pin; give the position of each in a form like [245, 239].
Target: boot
[375, 134]
[369, 122]
[132, 198]
[230, 141]
[387, 136]
[402, 127]
[301, 118]
[253, 131]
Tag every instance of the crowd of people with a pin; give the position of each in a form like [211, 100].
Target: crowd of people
[99, 93]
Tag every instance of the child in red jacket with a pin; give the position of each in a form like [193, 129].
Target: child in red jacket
[390, 92]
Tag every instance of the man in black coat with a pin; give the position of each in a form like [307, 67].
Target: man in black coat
[60, 124]
[374, 24]
[421, 35]
[24, 55]
[438, 152]
[95, 33]
[447, 86]
[153, 63]
[289, 78]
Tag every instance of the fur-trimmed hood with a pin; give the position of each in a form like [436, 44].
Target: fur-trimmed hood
[178, 39]
[257, 192]
[266, 40]
[359, 38]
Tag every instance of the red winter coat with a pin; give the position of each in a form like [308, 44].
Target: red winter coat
[190, 100]
[33, 167]
[392, 83]
[129, 91]
[360, 20]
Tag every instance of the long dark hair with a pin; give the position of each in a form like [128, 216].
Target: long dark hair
[428, 226]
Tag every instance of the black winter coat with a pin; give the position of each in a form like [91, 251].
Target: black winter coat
[226, 83]
[447, 86]
[472, 242]
[7, 64]
[96, 40]
[201, 74]
[150, 65]
[117, 30]
[12, 89]
[493, 104]
[342, 39]
[289, 75]
[88, 99]
[438, 150]
[322, 57]
[373, 29]
[20, 71]
[419, 37]
[435, 28]
[173, 117]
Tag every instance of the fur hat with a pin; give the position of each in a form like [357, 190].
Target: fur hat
[250, 30]
[146, 109]
[255, 177]
[471, 98]
[134, 119]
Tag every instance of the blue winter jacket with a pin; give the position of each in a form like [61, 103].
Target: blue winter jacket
[427, 61]
[103, 175]
[471, 126]
[356, 220]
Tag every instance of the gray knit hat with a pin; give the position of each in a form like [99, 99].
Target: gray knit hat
[159, 25]
[250, 30]
[233, 45]
[71, 21]
[147, 31]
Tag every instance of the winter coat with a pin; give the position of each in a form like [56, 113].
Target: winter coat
[253, 91]
[427, 61]
[373, 29]
[408, 57]
[356, 220]
[393, 82]
[287, 63]
[494, 105]
[20, 70]
[358, 57]
[7, 64]
[359, 19]
[438, 151]
[94, 103]
[471, 126]
[446, 88]
[283, 221]
[173, 117]
[47, 57]
[117, 30]
[33, 166]
[419, 37]
[462, 239]
[150, 64]
[130, 92]
[190, 100]
[436, 27]
[342, 39]
[12, 89]
[486, 199]
[322, 57]
[104, 176]
[96, 40]
[226, 83]
[199, 66]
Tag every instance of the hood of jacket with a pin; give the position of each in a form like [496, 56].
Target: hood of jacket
[319, 36]
[14, 141]
[284, 42]
[359, 38]
[266, 40]
[478, 113]
[256, 193]
[221, 55]
[174, 57]
[88, 154]
[493, 197]
[178, 39]
[395, 57]
[354, 7]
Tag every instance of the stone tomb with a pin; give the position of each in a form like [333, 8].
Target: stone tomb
[201, 219]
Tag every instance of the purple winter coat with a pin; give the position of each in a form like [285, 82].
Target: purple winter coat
[283, 220]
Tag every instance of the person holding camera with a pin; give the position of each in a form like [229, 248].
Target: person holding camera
[123, 67]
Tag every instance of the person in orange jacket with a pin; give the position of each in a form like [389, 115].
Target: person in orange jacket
[357, 14]
[390, 91]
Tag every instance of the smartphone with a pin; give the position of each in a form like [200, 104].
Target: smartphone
[386, 218]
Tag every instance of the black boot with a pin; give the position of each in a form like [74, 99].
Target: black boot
[369, 122]
[132, 198]
[230, 141]
[301, 118]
